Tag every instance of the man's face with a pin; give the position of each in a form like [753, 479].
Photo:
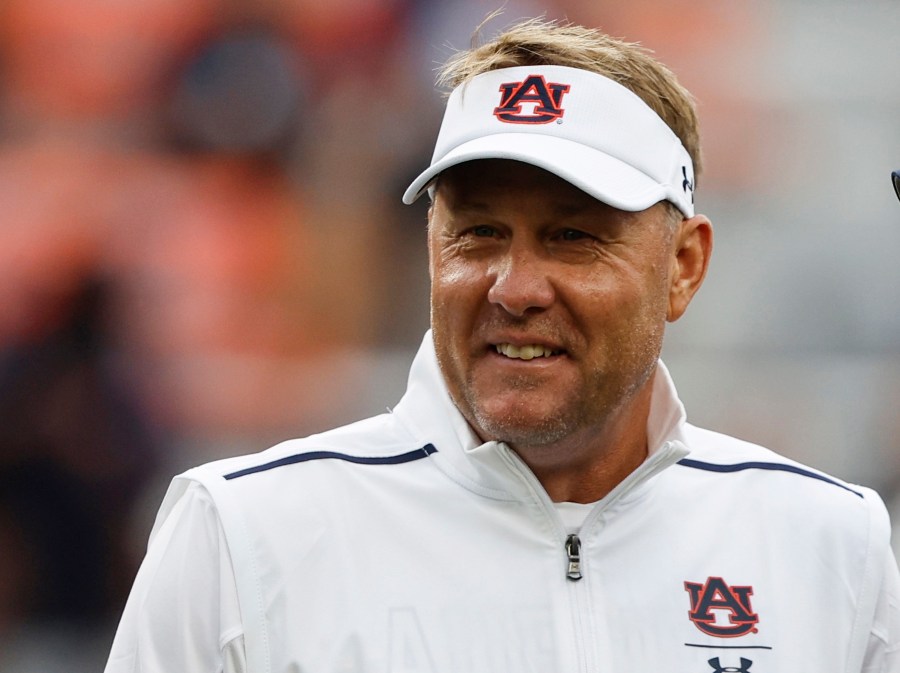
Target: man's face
[548, 307]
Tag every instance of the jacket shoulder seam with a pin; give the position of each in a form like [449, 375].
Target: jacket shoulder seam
[307, 456]
[764, 465]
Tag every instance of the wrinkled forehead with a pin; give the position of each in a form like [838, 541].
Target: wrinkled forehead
[489, 187]
[487, 178]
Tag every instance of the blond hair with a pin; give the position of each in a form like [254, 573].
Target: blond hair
[544, 42]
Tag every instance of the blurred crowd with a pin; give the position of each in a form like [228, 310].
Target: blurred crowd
[203, 250]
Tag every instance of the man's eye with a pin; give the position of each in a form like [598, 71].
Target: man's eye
[483, 231]
[572, 235]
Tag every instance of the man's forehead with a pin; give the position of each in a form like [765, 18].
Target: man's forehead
[476, 185]
[489, 174]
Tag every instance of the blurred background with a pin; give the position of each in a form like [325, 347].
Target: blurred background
[203, 249]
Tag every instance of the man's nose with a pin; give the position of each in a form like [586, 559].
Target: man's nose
[521, 282]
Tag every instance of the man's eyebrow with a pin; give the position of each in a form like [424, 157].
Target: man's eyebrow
[463, 205]
[570, 208]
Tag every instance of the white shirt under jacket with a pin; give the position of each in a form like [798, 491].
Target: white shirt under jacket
[402, 544]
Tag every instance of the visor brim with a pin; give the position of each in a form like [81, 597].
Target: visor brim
[604, 177]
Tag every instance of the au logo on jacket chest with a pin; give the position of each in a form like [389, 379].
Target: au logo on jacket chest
[721, 610]
[535, 90]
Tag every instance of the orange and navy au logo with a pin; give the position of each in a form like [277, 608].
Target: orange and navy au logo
[721, 610]
[546, 99]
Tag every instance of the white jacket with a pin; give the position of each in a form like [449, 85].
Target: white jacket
[401, 544]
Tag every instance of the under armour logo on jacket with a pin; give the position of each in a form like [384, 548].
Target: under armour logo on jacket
[718, 668]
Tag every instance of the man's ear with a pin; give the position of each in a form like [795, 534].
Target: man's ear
[693, 243]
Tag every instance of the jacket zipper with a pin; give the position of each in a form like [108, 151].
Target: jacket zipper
[573, 553]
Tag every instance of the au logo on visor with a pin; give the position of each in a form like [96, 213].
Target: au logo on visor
[545, 98]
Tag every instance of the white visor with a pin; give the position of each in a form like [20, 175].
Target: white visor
[581, 126]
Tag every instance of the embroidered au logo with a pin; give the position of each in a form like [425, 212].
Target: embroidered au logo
[721, 610]
[546, 99]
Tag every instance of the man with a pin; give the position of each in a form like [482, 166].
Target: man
[537, 500]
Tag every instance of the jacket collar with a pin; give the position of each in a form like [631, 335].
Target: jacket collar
[429, 413]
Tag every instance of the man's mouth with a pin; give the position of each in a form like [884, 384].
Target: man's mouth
[526, 352]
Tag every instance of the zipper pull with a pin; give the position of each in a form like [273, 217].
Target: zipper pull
[573, 552]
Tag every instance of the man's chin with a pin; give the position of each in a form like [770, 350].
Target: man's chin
[519, 429]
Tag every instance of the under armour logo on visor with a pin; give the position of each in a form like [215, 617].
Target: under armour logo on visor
[546, 98]
[687, 185]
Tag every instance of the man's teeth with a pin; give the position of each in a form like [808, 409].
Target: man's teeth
[524, 352]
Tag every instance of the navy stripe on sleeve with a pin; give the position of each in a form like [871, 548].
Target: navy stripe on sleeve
[778, 467]
[424, 452]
